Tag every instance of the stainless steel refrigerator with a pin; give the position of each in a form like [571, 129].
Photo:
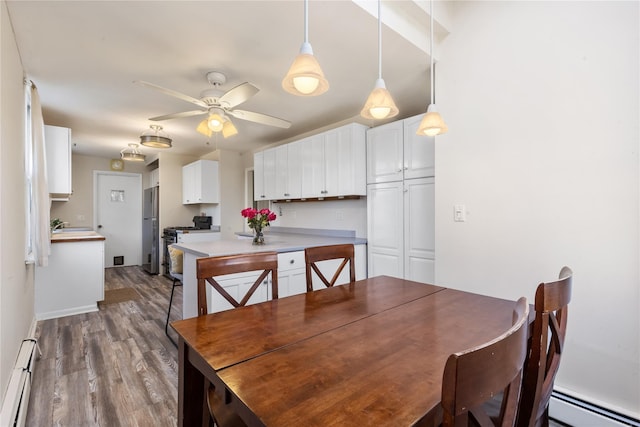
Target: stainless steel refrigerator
[150, 233]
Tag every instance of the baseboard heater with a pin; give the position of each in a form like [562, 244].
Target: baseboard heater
[16, 400]
[572, 411]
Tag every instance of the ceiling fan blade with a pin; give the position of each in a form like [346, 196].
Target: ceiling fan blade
[260, 118]
[172, 93]
[238, 95]
[178, 115]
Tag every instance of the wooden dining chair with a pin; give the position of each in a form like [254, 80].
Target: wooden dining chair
[314, 255]
[546, 345]
[207, 269]
[472, 377]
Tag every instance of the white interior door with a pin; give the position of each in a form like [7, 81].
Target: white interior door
[118, 216]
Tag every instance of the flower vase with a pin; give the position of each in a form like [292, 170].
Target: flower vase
[258, 237]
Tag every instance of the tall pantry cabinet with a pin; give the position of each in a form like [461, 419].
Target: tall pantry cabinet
[401, 201]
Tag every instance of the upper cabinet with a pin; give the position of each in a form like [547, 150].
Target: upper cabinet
[58, 147]
[200, 182]
[329, 164]
[153, 178]
[395, 152]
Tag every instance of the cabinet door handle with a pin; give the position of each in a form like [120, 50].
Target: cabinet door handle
[286, 194]
[324, 192]
[292, 261]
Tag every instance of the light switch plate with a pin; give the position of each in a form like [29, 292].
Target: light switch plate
[459, 213]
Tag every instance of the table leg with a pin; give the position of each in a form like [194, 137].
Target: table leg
[191, 398]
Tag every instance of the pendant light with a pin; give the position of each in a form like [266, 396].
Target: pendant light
[305, 77]
[432, 123]
[155, 138]
[132, 154]
[379, 104]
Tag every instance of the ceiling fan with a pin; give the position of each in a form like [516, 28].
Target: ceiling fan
[218, 105]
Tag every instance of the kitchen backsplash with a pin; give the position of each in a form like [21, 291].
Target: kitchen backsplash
[335, 215]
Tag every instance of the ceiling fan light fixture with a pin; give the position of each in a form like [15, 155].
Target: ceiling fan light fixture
[132, 154]
[379, 104]
[203, 128]
[155, 138]
[228, 129]
[215, 122]
[432, 123]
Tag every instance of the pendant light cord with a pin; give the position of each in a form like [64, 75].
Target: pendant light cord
[431, 48]
[306, 21]
[379, 42]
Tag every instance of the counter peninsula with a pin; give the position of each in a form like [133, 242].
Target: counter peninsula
[289, 243]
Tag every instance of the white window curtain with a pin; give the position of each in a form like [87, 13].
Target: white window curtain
[40, 191]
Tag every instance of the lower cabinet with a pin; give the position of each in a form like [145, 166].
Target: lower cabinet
[73, 282]
[291, 279]
[401, 229]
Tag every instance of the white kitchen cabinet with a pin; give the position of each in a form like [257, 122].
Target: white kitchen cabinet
[291, 274]
[200, 182]
[73, 282]
[288, 171]
[237, 286]
[264, 175]
[395, 152]
[401, 229]
[329, 164]
[58, 151]
[333, 163]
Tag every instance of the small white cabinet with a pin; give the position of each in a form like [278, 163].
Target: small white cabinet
[292, 279]
[264, 175]
[200, 182]
[395, 152]
[58, 151]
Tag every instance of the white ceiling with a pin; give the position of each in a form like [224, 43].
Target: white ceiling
[84, 56]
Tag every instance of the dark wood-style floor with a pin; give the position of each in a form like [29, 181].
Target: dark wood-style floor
[114, 367]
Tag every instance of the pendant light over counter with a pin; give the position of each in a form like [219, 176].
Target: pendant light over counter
[305, 77]
[155, 138]
[432, 123]
[379, 104]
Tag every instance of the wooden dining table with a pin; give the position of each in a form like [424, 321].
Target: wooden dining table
[370, 353]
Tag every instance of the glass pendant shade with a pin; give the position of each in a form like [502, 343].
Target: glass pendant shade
[203, 128]
[305, 77]
[132, 154]
[432, 123]
[379, 104]
[228, 129]
[155, 138]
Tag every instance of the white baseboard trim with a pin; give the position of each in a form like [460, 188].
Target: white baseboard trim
[66, 312]
[580, 413]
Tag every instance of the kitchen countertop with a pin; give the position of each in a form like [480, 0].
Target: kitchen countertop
[274, 241]
[75, 236]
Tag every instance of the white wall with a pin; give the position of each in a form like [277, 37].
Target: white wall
[16, 278]
[542, 104]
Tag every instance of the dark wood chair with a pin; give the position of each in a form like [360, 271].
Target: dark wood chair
[207, 269]
[314, 255]
[546, 345]
[472, 377]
